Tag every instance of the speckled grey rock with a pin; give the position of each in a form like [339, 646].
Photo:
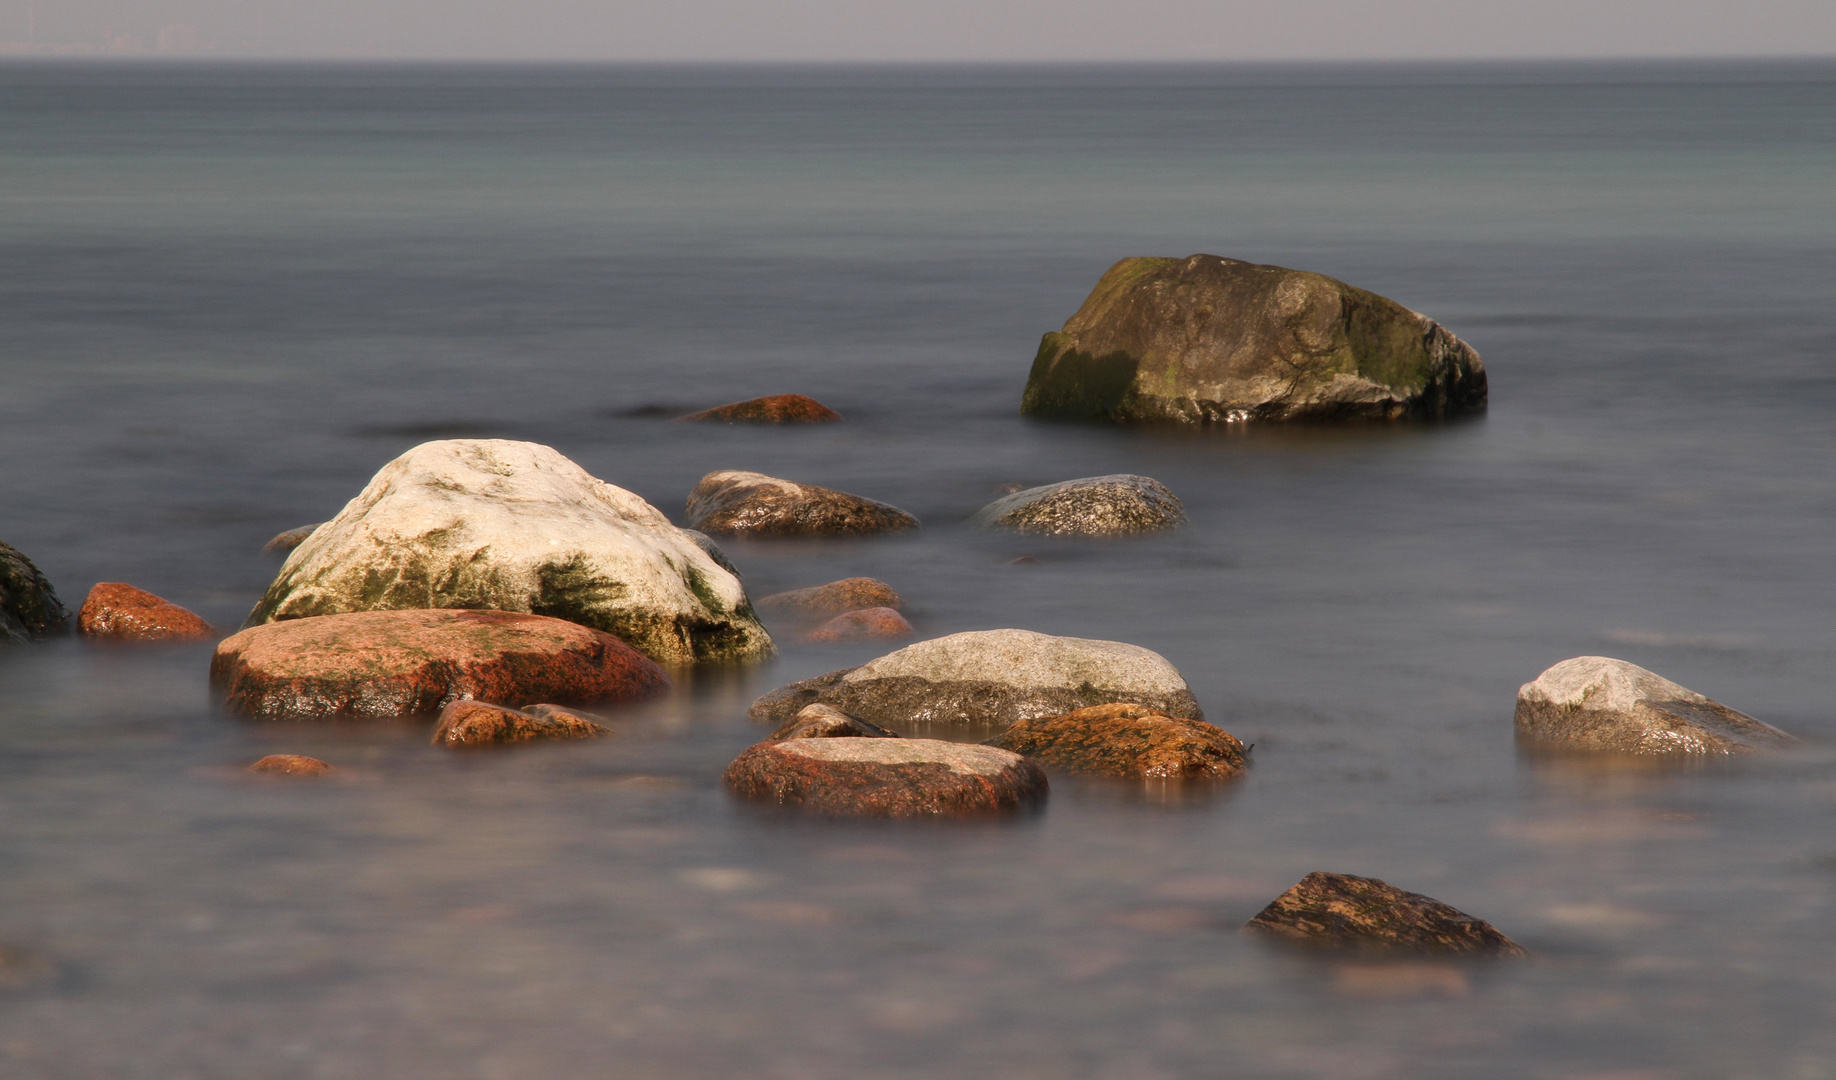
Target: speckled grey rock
[29, 607]
[989, 678]
[1118, 505]
[1598, 703]
[736, 503]
[829, 722]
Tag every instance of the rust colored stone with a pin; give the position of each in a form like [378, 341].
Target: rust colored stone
[829, 722]
[282, 543]
[848, 594]
[1128, 740]
[774, 409]
[291, 765]
[475, 723]
[867, 624]
[1358, 914]
[895, 778]
[114, 610]
[753, 504]
[396, 663]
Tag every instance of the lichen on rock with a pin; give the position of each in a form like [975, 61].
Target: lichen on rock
[1118, 505]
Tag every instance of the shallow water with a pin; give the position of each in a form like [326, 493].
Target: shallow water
[231, 294]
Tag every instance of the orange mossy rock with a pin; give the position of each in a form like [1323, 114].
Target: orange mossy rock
[878, 777]
[1128, 740]
[114, 610]
[475, 723]
[291, 765]
[396, 663]
[773, 409]
[867, 624]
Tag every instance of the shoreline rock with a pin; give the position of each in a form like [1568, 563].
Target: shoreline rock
[468, 723]
[116, 610]
[1128, 740]
[29, 607]
[1597, 703]
[1341, 912]
[887, 778]
[1118, 505]
[737, 503]
[771, 409]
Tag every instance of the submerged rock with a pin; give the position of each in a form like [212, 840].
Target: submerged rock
[513, 526]
[475, 723]
[1598, 703]
[848, 594]
[867, 624]
[1128, 740]
[829, 722]
[1358, 914]
[753, 504]
[773, 409]
[282, 543]
[1206, 340]
[853, 777]
[291, 765]
[115, 610]
[990, 677]
[29, 608]
[395, 663]
[1119, 505]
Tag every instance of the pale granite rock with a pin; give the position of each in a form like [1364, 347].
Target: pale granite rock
[1598, 703]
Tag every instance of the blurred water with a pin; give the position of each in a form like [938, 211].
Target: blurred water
[231, 294]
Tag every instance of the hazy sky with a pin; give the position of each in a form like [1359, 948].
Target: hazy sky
[928, 29]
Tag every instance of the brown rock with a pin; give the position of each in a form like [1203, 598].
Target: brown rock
[1357, 914]
[282, 543]
[291, 765]
[829, 722]
[753, 504]
[867, 624]
[775, 409]
[474, 723]
[114, 610]
[393, 663]
[856, 777]
[848, 594]
[1127, 740]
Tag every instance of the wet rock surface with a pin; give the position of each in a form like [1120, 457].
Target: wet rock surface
[29, 607]
[395, 663]
[291, 765]
[115, 610]
[752, 504]
[515, 526]
[283, 543]
[1364, 915]
[829, 722]
[1206, 339]
[772, 409]
[867, 624]
[1596, 703]
[990, 678]
[474, 723]
[869, 777]
[1127, 740]
[848, 594]
[1119, 505]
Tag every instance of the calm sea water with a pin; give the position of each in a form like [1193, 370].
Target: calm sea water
[229, 295]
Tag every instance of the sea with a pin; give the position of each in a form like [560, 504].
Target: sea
[229, 294]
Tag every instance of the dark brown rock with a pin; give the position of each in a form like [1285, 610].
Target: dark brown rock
[29, 608]
[282, 543]
[1357, 914]
[395, 663]
[475, 723]
[829, 722]
[848, 594]
[753, 504]
[775, 409]
[1119, 505]
[853, 777]
[1210, 340]
[1128, 740]
[867, 624]
[291, 765]
[114, 610]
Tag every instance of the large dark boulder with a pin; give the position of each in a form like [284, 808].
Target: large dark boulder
[1211, 340]
[29, 608]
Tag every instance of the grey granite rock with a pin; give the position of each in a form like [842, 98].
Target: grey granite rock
[1601, 704]
[1118, 505]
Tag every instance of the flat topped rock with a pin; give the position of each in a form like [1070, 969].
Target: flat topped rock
[1128, 740]
[771, 409]
[1601, 704]
[396, 663]
[29, 607]
[1359, 914]
[873, 777]
[753, 504]
[990, 677]
[1206, 339]
[1119, 505]
[848, 594]
[115, 610]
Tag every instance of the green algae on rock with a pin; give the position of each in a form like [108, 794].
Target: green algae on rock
[29, 607]
[1206, 339]
[1596, 703]
[1344, 913]
[1128, 740]
[1118, 505]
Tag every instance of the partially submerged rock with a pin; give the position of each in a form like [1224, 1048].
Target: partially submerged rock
[1357, 914]
[291, 765]
[848, 594]
[1119, 505]
[474, 723]
[1598, 703]
[1211, 340]
[1128, 740]
[29, 608]
[753, 504]
[990, 678]
[855, 777]
[828, 722]
[282, 543]
[772, 409]
[115, 610]
[867, 624]
[396, 663]
[513, 526]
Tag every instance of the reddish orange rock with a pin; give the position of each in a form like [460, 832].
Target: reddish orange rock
[867, 624]
[291, 765]
[114, 610]
[1128, 740]
[870, 777]
[848, 594]
[394, 663]
[475, 723]
[775, 409]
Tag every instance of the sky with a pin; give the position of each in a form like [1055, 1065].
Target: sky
[920, 30]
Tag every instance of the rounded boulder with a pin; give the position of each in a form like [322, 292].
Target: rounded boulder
[1597, 703]
[867, 624]
[888, 778]
[848, 594]
[115, 610]
[1119, 505]
[753, 504]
